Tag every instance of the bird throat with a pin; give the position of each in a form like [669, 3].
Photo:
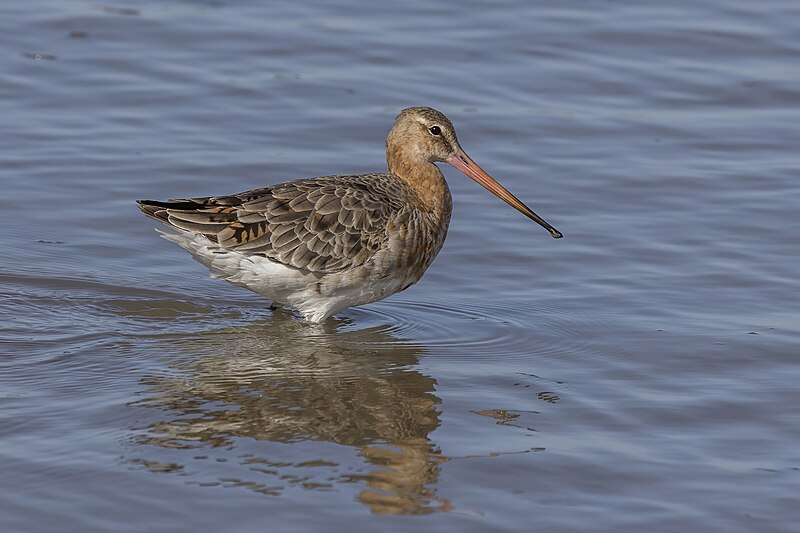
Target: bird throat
[425, 179]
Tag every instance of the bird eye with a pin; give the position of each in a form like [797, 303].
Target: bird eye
[436, 130]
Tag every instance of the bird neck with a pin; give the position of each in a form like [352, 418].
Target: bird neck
[425, 179]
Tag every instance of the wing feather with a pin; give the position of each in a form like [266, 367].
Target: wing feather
[320, 224]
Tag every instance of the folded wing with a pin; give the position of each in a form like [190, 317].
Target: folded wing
[320, 225]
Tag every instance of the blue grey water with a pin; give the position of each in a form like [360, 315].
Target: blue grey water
[641, 374]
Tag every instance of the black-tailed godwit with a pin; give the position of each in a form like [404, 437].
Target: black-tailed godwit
[324, 244]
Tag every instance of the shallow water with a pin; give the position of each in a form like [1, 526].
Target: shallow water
[638, 375]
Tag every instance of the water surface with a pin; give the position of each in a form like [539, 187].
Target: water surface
[638, 375]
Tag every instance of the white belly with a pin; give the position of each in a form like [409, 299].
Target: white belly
[316, 296]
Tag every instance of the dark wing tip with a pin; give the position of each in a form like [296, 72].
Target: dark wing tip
[170, 204]
[154, 209]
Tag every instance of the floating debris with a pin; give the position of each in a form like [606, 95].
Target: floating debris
[120, 10]
[40, 57]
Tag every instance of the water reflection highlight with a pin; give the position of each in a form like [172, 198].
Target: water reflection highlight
[284, 381]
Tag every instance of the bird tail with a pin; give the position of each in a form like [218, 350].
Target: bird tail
[158, 210]
[153, 209]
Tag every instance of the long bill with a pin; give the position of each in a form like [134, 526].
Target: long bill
[465, 164]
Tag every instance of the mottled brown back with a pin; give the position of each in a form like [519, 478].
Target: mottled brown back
[323, 224]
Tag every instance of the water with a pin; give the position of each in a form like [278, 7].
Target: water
[638, 375]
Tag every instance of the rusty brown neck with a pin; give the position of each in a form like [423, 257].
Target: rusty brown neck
[424, 178]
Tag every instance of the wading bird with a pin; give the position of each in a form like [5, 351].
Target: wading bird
[324, 244]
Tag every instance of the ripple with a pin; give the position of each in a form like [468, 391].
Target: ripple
[470, 329]
[461, 329]
[154, 308]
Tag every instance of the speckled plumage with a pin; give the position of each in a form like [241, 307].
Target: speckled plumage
[327, 243]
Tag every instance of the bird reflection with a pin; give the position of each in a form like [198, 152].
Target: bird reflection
[285, 381]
